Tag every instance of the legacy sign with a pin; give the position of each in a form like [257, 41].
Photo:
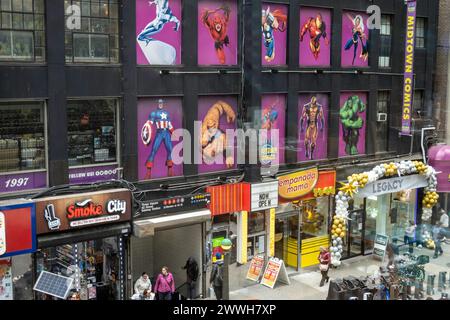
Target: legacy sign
[393, 185]
[264, 195]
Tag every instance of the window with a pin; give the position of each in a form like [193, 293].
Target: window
[420, 33]
[256, 234]
[97, 40]
[417, 103]
[384, 98]
[22, 138]
[92, 127]
[22, 30]
[384, 60]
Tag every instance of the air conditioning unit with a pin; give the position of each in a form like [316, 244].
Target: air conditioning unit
[382, 117]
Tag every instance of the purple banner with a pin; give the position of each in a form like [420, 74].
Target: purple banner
[273, 118]
[217, 32]
[158, 37]
[352, 124]
[408, 84]
[274, 25]
[313, 127]
[355, 40]
[23, 181]
[93, 174]
[315, 37]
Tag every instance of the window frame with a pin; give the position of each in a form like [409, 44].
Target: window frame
[421, 37]
[386, 36]
[387, 105]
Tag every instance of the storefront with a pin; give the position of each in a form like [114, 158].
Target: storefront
[166, 232]
[303, 215]
[85, 237]
[17, 243]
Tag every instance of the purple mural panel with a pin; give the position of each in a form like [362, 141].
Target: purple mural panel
[273, 117]
[355, 40]
[158, 37]
[352, 123]
[157, 118]
[23, 181]
[93, 174]
[216, 112]
[313, 127]
[274, 24]
[315, 37]
[217, 32]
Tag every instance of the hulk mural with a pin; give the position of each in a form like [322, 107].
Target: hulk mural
[352, 117]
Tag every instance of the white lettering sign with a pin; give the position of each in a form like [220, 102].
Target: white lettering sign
[264, 195]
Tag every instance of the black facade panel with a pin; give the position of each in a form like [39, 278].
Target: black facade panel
[93, 81]
[23, 82]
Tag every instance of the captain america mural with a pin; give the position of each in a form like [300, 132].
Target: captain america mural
[158, 119]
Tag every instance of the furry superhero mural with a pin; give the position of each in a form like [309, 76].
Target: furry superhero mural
[216, 21]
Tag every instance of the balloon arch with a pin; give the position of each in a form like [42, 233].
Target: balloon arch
[356, 181]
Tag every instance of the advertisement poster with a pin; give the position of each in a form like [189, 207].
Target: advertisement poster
[6, 283]
[93, 174]
[312, 127]
[274, 24]
[217, 32]
[256, 267]
[157, 119]
[217, 114]
[315, 37]
[355, 40]
[158, 32]
[23, 181]
[275, 270]
[273, 119]
[216, 248]
[352, 124]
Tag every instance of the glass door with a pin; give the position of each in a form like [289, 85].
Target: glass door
[355, 234]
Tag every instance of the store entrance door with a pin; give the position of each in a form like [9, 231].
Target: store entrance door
[355, 234]
[286, 239]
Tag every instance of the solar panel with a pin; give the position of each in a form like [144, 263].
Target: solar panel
[53, 284]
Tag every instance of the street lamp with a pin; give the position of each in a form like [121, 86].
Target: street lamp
[226, 245]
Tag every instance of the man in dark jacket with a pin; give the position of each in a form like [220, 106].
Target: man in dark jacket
[216, 278]
[191, 267]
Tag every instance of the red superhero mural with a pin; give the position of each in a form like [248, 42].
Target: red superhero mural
[216, 21]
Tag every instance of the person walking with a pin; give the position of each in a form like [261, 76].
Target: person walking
[444, 220]
[324, 259]
[142, 284]
[191, 268]
[165, 285]
[216, 278]
[437, 238]
[410, 233]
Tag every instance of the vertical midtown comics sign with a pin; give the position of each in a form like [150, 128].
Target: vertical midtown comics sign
[408, 84]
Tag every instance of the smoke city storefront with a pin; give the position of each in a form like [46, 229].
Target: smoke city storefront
[85, 237]
[302, 217]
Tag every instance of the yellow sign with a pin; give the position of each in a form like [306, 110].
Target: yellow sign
[298, 184]
[256, 267]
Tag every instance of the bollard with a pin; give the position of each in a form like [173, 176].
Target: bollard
[441, 281]
[418, 289]
[430, 284]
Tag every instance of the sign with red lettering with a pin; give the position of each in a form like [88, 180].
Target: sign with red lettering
[82, 210]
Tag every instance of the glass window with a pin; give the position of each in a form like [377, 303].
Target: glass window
[420, 33]
[314, 217]
[385, 42]
[22, 277]
[256, 222]
[95, 41]
[94, 265]
[22, 30]
[418, 103]
[92, 131]
[22, 137]
[256, 245]
[384, 98]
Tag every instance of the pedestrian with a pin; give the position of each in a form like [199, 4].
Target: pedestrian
[165, 285]
[143, 283]
[216, 278]
[191, 268]
[444, 220]
[410, 233]
[324, 259]
[437, 238]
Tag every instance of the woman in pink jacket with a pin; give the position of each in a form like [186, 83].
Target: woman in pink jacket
[165, 285]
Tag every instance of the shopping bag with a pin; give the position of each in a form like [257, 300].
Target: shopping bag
[152, 296]
[323, 267]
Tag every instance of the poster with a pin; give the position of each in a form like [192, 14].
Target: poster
[352, 124]
[315, 37]
[379, 249]
[217, 114]
[217, 248]
[256, 266]
[217, 32]
[273, 119]
[312, 127]
[274, 24]
[158, 32]
[275, 270]
[157, 119]
[355, 40]
[6, 283]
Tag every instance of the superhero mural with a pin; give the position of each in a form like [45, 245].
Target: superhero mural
[217, 114]
[315, 37]
[312, 127]
[352, 123]
[355, 40]
[274, 23]
[273, 115]
[217, 32]
[157, 119]
[158, 32]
